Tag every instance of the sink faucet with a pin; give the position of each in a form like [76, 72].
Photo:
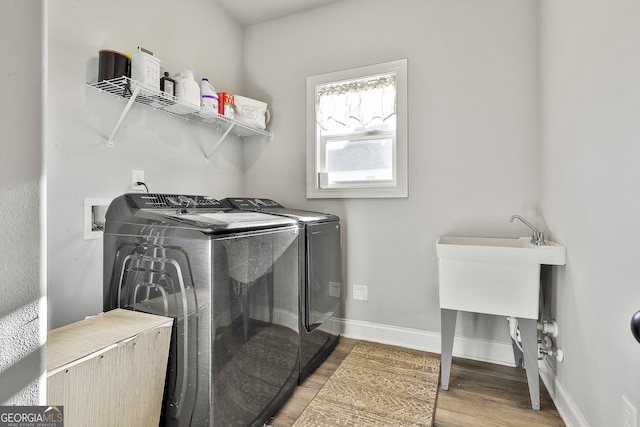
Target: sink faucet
[538, 236]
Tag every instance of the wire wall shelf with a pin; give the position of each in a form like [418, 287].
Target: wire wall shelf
[136, 92]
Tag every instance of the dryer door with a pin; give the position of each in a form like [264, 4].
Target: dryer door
[323, 282]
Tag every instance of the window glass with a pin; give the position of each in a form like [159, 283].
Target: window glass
[359, 160]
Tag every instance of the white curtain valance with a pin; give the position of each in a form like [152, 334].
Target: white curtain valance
[356, 103]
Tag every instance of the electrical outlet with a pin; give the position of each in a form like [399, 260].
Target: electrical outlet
[335, 289]
[629, 414]
[360, 292]
[137, 176]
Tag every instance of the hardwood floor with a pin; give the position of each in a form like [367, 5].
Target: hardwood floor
[480, 394]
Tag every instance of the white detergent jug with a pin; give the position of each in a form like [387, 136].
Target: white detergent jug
[145, 68]
[187, 89]
[209, 97]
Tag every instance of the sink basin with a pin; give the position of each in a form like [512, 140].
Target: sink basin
[498, 276]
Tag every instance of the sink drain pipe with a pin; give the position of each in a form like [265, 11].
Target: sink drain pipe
[548, 328]
[545, 344]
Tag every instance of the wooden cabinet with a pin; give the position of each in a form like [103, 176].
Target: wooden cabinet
[109, 370]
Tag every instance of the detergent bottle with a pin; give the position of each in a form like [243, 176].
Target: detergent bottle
[187, 89]
[208, 97]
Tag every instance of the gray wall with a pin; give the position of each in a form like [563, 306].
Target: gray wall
[515, 107]
[168, 149]
[590, 130]
[473, 131]
[22, 315]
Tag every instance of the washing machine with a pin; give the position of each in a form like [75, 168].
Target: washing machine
[320, 278]
[229, 279]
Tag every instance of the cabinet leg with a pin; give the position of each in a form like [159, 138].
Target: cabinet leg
[529, 333]
[448, 330]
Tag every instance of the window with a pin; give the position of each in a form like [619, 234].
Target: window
[357, 132]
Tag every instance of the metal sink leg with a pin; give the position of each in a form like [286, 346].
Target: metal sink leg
[529, 334]
[448, 330]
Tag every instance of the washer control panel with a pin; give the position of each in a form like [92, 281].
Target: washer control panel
[169, 201]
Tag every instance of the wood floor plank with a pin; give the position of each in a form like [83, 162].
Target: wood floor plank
[490, 369]
[480, 394]
[480, 382]
[446, 418]
[491, 410]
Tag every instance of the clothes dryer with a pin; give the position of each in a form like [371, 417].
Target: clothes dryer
[229, 279]
[320, 279]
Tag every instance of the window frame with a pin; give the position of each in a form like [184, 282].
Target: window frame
[315, 145]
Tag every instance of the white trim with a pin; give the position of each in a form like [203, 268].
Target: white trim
[565, 405]
[469, 348]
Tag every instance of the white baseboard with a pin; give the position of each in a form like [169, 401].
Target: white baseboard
[565, 405]
[469, 348]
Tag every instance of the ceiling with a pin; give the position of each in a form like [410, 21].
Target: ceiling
[249, 12]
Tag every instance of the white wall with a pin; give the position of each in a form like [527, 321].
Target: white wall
[22, 315]
[473, 132]
[591, 128]
[193, 34]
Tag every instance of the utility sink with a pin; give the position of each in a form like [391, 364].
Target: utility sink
[495, 276]
[498, 276]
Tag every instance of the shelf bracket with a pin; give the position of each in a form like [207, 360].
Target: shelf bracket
[135, 93]
[220, 140]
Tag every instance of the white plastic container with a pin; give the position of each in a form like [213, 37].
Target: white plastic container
[208, 97]
[251, 112]
[187, 89]
[145, 68]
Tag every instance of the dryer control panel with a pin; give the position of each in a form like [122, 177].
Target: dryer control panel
[248, 203]
[170, 201]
